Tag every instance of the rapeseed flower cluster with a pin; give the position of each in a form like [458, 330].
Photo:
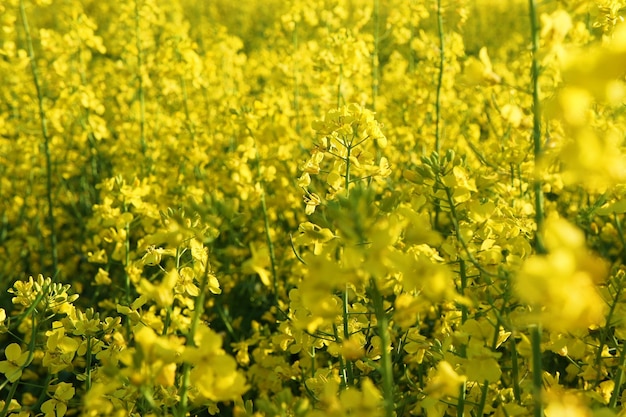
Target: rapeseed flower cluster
[313, 208]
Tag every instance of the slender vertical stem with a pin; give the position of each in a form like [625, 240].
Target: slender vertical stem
[346, 336]
[266, 220]
[517, 392]
[296, 83]
[89, 359]
[375, 73]
[483, 398]
[537, 145]
[535, 331]
[619, 379]
[7, 400]
[463, 273]
[386, 369]
[141, 89]
[126, 260]
[197, 314]
[46, 140]
[270, 244]
[460, 405]
[339, 95]
[438, 121]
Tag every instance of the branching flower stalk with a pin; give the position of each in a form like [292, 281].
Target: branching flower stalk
[46, 141]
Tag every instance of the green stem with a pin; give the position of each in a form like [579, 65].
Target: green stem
[483, 398]
[296, 84]
[386, 369]
[46, 141]
[535, 340]
[88, 359]
[375, 72]
[339, 85]
[605, 331]
[343, 372]
[346, 336]
[197, 314]
[460, 405]
[463, 273]
[141, 89]
[517, 392]
[619, 379]
[7, 400]
[539, 203]
[438, 121]
[537, 146]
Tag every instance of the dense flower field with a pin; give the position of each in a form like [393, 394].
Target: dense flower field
[312, 208]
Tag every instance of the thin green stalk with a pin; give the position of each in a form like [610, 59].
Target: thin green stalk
[604, 332]
[619, 379]
[535, 340]
[88, 360]
[460, 405]
[188, 122]
[457, 231]
[197, 314]
[438, 121]
[343, 371]
[31, 352]
[296, 84]
[126, 261]
[346, 336]
[339, 85]
[141, 88]
[535, 331]
[46, 141]
[537, 145]
[270, 243]
[517, 392]
[385, 369]
[483, 398]
[127, 299]
[375, 69]
[7, 400]
[463, 273]
[266, 221]
[347, 179]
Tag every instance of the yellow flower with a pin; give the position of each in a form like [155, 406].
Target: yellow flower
[258, 264]
[311, 200]
[15, 363]
[312, 234]
[444, 381]
[480, 71]
[57, 405]
[162, 294]
[102, 277]
[561, 285]
[152, 256]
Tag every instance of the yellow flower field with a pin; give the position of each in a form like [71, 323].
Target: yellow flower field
[312, 208]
